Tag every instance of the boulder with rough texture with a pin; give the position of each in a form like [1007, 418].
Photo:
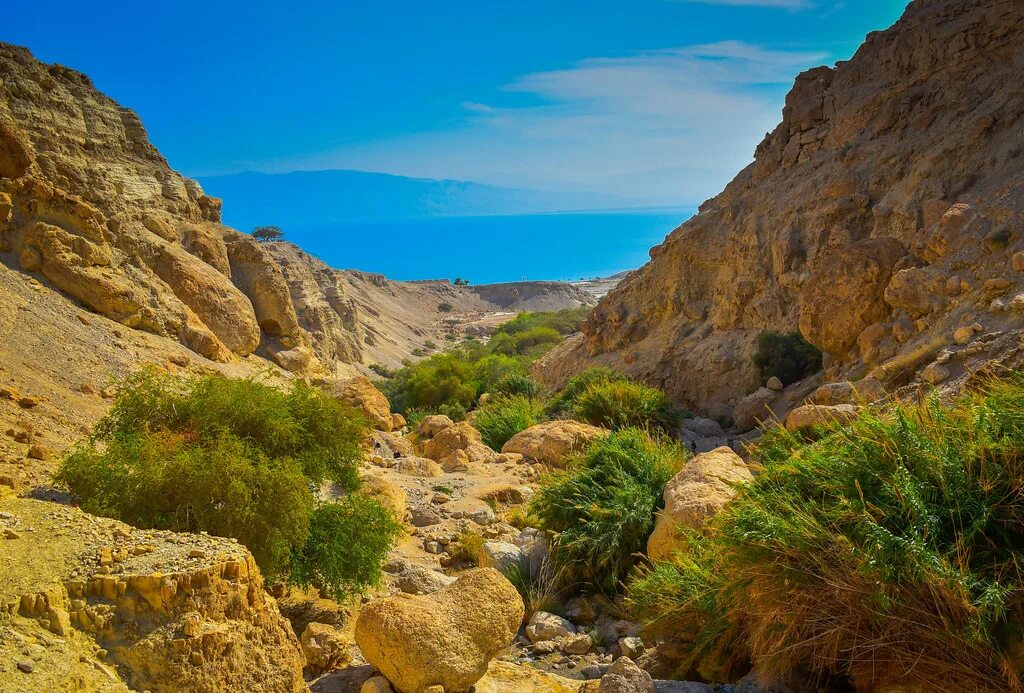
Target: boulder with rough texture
[458, 436]
[548, 626]
[694, 495]
[419, 466]
[810, 415]
[447, 638]
[431, 425]
[500, 555]
[324, 647]
[360, 393]
[552, 442]
[754, 409]
[624, 676]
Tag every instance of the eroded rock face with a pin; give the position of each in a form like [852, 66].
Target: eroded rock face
[442, 639]
[174, 612]
[694, 495]
[887, 204]
[552, 441]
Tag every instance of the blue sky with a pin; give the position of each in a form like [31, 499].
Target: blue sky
[658, 100]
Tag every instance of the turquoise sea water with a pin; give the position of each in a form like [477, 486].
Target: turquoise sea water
[489, 249]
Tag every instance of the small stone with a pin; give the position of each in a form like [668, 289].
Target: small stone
[440, 498]
[631, 646]
[26, 666]
[29, 402]
[1018, 262]
[934, 374]
[39, 452]
[376, 684]
[197, 553]
[433, 547]
[774, 384]
[11, 534]
[963, 335]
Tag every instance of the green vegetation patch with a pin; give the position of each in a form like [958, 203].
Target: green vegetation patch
[602, 508]
[887, 551]
[235, 458]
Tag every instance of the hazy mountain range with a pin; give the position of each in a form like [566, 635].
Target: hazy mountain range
[318, 197]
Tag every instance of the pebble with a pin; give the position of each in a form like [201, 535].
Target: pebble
[26, 666]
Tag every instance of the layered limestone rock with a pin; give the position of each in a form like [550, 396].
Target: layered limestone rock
[880, 216]
[127, 608]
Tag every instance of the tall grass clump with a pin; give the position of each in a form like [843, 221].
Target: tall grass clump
[887, 552]
[502, 417]
[235, 458]
[602, 508]
[620, 404]
[561, 403]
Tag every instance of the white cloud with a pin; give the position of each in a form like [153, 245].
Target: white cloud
[667, 126]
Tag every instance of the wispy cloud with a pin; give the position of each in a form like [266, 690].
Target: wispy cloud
[660, 126]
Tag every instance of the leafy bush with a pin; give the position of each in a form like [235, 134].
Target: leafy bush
[382, 370]
[493, 368]
[347, 543]
[603, 508]
[565, 321]
[503, 417]
[788, 357]
[562, 403]
[888, 551]
[623, 404]
[445, 307]
[231, 457]
[441, 379]
[516, 384]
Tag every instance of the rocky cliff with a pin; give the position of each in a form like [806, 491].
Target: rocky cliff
[883, 218]
[88, 205]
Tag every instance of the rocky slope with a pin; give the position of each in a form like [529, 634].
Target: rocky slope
[883, 218]
[101, 606]
[91, 207]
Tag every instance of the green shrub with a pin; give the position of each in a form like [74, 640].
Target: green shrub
[623, 404]
[565, 321]
[230, 457]
[562, 403]
[788, 357]
[603, 508]
[887, 551]
[382, 370]
[516, 384]
[493, 368]
[348, 540]
[441, 379]
[503, 417]
[445, 307]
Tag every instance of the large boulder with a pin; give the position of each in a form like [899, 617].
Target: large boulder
[443, 639]
[694, 495]
[552, 441]
[500, 555]
[433, 424]
[624, 676]
[548, 626]
[458, 436]
[810, 415]
[389, 494]
[360, 393]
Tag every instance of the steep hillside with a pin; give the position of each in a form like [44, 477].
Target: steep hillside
[88, 205]
[882, 215]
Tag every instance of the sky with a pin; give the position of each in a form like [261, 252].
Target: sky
[658, 101]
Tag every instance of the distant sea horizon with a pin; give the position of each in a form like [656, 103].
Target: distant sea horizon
[553, 246]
